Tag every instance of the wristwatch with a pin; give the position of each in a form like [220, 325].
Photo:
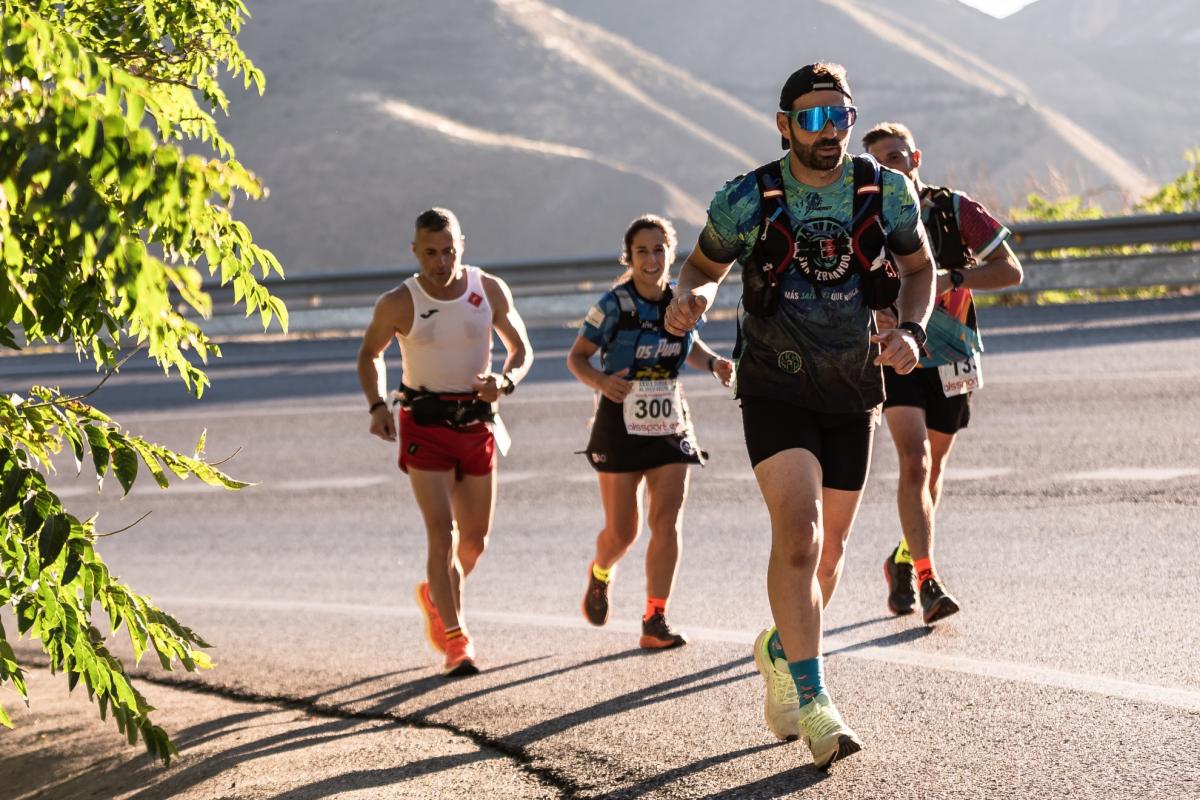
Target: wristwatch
[916, 330]
[957, 278]
[507, 384]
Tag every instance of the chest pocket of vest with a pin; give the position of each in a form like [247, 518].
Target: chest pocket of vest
[776, 248]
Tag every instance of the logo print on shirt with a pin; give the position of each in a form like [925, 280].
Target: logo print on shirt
[429, 313]
[789, 361]
[812, 202]
[475, 299]
[823, 251]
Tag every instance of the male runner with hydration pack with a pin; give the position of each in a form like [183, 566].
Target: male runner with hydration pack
[822, 239]
[926, 408]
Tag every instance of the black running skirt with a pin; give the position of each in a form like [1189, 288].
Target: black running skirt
[613, 449]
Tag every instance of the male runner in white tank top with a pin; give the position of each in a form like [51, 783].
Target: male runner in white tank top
[444, 317]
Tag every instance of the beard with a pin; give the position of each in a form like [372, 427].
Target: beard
[808, 155]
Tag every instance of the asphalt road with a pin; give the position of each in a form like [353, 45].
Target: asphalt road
[1069, 532]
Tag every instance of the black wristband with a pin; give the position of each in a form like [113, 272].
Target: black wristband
[507, 385]
[712, 363]
[376, 405]
[918, 333]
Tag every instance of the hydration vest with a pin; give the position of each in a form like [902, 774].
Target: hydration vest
[859, 248]
[628, 320]
[945, 239]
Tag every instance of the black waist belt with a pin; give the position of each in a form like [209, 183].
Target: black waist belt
[433, 408]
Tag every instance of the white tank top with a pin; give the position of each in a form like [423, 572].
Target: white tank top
[450, 341]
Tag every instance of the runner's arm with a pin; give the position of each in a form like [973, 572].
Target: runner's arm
[1001, 269]
[898, 348]
[706, 359]
[987, 239]
[510, 328]
[579, 362]
[695, 291]
[392, 314]
[917, 279]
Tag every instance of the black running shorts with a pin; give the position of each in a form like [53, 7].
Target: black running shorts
[613, 449]
[841, 442]
[923, 388]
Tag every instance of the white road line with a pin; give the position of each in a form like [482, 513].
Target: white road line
[1132, 474]
[353, 482]
[1185, 699]
[196, 487]
[835, 646]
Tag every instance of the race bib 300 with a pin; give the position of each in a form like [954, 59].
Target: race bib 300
[654, 408]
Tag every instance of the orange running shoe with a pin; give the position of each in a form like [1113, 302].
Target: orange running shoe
[657, 634]
[460, 657]
[435, 631]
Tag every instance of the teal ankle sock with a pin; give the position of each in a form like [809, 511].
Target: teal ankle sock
[775, 647]
[809, 676]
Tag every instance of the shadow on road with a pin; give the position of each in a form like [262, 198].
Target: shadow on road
[856, 625]
[891, 640]
[782, 785]
[643, 787]
[675, 688]
[247, 736]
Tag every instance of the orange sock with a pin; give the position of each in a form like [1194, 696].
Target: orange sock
[924, 568]
[454, 633]
[655, 605]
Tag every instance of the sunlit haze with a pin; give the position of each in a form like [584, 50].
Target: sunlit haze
[998, 8]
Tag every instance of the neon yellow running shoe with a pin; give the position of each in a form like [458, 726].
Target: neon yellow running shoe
[783, 703]
[826, 733]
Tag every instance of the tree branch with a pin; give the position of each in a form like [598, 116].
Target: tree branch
[64, 400]
[127, 527]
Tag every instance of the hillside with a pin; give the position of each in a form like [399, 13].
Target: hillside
[548, 126]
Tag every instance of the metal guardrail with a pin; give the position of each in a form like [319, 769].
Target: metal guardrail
[1031, 237]
[588, 275]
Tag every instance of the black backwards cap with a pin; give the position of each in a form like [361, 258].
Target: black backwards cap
[803, 81]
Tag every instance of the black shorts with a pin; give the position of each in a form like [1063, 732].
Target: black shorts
[841, 442]
[611, 448]
[923, 388]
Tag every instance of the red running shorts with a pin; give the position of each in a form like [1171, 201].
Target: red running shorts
[469, 450]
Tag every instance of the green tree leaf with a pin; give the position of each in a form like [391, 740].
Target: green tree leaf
[125, 462]
[109, 210]
[52, 538]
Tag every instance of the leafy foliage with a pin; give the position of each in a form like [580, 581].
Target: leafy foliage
[105, 223]
[1180, 195]
[1042, 209]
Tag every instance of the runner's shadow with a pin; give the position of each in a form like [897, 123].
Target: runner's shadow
[891, 640]
[554, 673]
[392, 696]
[663, 779]
[782, 785]
[312, 698]
[345, 782]
[856, 625]
[675, 688]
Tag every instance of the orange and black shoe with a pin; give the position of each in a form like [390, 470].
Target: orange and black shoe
[435, 631]
[460, 657]
[657, 634]
[936, 603]
[899, 575]
[595, 600]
